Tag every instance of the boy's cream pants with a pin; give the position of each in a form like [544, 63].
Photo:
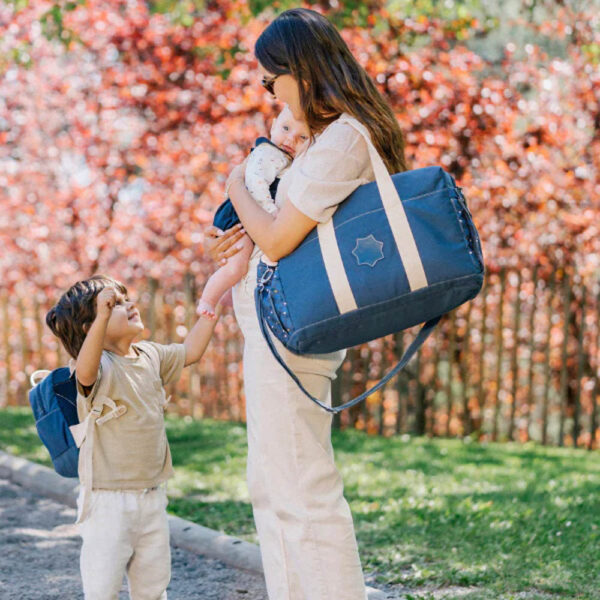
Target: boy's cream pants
[127, 532]
[304, 524]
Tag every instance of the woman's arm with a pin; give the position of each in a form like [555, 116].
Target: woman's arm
[333, 167]
[276, 235]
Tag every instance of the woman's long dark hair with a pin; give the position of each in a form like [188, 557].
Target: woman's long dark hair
[302, 43]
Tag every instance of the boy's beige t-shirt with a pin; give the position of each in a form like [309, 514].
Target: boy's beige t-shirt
[131, 451]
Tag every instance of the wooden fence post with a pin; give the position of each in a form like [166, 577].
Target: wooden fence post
[500, 349]
[449, 394]
[567, 295]
[580, 360]
[6, 349]
[514, 356]
[400, 382]
[545, 399]
[190, 301]
[480, 386]
[594, 417]
[530, 393]
[464, 372]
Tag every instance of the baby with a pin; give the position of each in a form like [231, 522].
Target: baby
[268, 160]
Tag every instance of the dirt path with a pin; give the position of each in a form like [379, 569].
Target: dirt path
[39, 557]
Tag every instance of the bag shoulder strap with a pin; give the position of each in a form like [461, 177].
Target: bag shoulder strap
[394, 210]
[423, 334]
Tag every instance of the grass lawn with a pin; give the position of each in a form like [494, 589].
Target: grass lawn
[505, 520]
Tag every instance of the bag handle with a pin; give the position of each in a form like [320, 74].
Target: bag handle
[423, 334]
[38, 376]
[394, 210]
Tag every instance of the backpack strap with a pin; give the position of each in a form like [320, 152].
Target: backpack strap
[37, 376]
[423, 334]
[84, 434]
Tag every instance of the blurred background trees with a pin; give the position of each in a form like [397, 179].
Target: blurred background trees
[120, 120]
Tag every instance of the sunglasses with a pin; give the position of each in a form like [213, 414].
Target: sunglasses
[269, 83]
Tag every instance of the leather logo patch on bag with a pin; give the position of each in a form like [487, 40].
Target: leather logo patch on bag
[368, 251]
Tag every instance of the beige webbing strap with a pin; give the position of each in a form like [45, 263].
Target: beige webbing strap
[342, 292]
[396, 215]
[84, 434]
[403, 236]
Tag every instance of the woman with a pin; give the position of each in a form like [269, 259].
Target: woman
[304, 524]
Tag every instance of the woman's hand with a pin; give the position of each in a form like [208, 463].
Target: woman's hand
[220, 245]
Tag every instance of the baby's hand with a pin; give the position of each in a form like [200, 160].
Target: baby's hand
[105, 302]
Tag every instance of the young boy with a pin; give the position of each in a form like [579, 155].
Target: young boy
[124, 455]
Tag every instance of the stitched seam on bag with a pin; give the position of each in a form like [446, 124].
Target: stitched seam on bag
[465, 231]
[370, 306]
[472, 233]
[339, 225]
[48, 414]
[67, 449]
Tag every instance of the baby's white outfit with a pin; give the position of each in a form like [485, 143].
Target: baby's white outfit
[265, 164]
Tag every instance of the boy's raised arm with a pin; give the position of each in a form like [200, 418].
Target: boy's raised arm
[88, 359]
[199, 336]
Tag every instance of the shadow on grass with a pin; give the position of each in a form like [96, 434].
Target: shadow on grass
[500, 516]
[444, 512]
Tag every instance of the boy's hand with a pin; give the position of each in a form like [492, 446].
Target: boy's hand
[105, 302]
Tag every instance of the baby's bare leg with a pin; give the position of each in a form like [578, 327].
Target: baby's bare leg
[224, 278]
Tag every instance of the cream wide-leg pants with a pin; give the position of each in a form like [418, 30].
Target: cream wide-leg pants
[126, 533]
[304, 524]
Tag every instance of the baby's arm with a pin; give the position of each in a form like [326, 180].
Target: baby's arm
[198, 338]
[264, 164]
[88, 359]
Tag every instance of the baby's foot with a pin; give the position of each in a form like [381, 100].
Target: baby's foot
[206, 310]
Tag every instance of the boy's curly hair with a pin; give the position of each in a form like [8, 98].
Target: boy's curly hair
[71, 317]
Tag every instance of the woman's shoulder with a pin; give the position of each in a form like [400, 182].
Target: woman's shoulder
[342, 136]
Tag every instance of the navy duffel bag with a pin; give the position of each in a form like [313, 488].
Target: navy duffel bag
[397, 252]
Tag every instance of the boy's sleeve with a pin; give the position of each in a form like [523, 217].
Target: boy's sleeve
[83, 398]
[172, 359]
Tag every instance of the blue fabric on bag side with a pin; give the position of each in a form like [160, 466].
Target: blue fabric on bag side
[439, 236]
[66, 395]
[387, 278]
[54, 432]
[54, 405]
[66, 464]
[226, 216]
[448, 254]
[296, 285]
[372, 322]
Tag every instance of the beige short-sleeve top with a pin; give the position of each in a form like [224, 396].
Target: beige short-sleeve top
[327, 172]
[131, 451]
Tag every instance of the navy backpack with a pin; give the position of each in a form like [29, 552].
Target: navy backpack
[54, 404]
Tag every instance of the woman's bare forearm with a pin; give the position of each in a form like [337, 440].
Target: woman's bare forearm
[258, 223]
[276, 235]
